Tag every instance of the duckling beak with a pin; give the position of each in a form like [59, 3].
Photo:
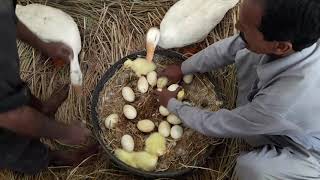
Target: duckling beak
[153, 37]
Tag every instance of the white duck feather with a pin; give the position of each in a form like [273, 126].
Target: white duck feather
[190, 21]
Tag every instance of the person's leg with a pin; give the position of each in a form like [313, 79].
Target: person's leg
[72, 158]
[33, 159]
[30, 156]
[270, 162]
[22, 154]
[51, 105]
[36, 157]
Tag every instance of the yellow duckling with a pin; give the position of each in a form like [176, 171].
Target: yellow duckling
[141, 160]
[140, 66]
[143, 66]
[156, 144]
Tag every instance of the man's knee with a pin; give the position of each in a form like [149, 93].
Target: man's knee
[250, 167]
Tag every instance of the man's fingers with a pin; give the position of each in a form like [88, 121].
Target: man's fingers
[178, 89]
[170, 82]
[156, 92]
[162, 73]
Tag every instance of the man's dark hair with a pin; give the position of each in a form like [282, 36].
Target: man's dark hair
[297, 21]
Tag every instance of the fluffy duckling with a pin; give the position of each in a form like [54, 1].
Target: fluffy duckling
[143, 66]
[156, 144]
[141, 160]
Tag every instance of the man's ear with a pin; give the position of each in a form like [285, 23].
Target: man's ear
[282, 48]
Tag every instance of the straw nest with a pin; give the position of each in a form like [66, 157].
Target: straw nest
[190, 150]
[111, 29]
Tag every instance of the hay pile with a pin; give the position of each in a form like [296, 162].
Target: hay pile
[110, 30]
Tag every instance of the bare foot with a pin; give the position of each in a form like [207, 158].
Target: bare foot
[68, 158]
[51, 105]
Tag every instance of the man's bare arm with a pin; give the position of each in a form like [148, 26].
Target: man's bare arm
[29, 122]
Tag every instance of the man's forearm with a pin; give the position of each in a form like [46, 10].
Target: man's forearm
[29, 122]
[217, 55]
[27, 36]
[248, 120]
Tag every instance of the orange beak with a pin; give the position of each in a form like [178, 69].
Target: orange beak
[150, 52]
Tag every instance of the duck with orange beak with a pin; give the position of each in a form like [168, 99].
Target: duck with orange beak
[44, 21]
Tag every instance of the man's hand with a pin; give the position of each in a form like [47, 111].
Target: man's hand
[58, 52]
[76, 135]
[173, 73]
[165, 95]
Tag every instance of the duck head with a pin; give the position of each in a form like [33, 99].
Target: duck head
[76, 74]
[153, 37]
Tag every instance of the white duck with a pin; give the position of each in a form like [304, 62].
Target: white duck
[190, 21]
[54, 25]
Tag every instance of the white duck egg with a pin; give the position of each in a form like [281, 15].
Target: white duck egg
[188, 78]
[143, 84]
[152, 78]
[173, 87]
[176, 132]
[164, 129]
[127, 143]
[128, 94]
[111, 121]
[145, 126]
[173, 119]
[164, 111]
[162, 82]
[129, 112]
